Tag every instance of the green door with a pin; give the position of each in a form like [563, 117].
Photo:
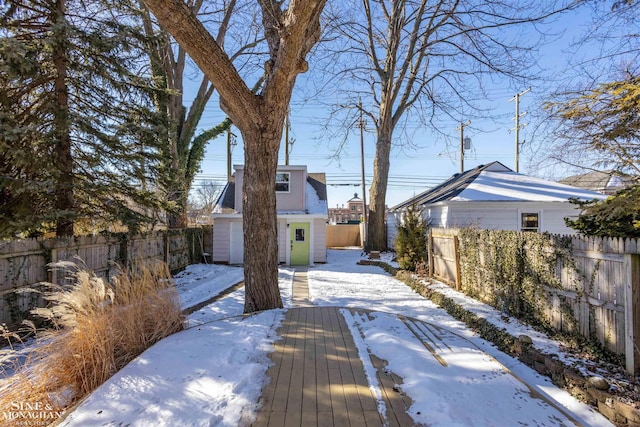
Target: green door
[299, 243]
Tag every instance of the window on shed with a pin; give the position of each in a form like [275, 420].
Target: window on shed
[282, 182]
[530, 221]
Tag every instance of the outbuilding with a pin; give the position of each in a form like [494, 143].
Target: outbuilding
[493, 196]
[302, 212]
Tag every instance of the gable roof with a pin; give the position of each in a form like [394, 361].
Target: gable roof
[319, 183]
[496, 182]
[607, 182]
[315, 201]
[227, 200]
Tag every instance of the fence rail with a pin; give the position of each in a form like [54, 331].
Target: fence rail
[582, 285]
[26, 264]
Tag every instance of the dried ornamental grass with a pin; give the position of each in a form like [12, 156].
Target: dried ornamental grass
[98, 328]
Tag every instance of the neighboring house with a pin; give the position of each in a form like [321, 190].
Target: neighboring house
[605, 182]
[352, 213]
[495, 197]
[301, 205]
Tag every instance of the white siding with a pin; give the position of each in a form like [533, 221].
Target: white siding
[227, 239]
[490, 215]
[496, 216]
[221, 238]
[283, 240]
[553, 218]
[506, 215]
[439, 216]
[393, 218]
[236, 243]
[319, 240]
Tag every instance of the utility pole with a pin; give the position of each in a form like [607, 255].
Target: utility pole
[364, 188]
[518, 126]
[231, 142]
[229, 154]
[461, 129]
[286, 139]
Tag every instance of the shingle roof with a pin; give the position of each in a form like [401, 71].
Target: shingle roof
[603, 181]
[319, 183]
[226, 202]
[451, 187]
[496, 182]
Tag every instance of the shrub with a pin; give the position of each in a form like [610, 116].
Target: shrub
[411, 241]
[97, 328]
[617, 216]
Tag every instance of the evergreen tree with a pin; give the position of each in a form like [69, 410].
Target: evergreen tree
[25, 157]
[411, 241]
[78, 129]
[618, 216]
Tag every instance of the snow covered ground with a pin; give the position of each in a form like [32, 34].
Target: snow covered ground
[212, 373]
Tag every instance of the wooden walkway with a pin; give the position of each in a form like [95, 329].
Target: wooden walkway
[318, 378]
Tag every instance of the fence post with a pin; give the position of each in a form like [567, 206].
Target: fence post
[167, 250]
[53, 276]
[430, 251]
[456, 254]
[632, 312]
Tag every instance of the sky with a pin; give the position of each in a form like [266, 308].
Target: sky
[212, 373]
[415, 169]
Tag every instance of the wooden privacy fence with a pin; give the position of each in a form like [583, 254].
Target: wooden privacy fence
[26, 264]
[581, 285]
[344, 235]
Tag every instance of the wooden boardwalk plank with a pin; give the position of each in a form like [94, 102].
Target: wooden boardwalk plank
[281, 394]
[296, 381]
[318, 378]
[323, 389]
[347, 364]
[309, 392]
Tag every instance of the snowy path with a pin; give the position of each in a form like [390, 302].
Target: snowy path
[443, 373]
[213, 373]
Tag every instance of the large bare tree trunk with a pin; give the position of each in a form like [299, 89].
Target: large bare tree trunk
[290, 34]
[259, 219]
[376, 231]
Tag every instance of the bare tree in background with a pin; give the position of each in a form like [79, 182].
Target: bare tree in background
[591, 120]
[290, 34]
[169, 66]
[204, 199]
[429, 59]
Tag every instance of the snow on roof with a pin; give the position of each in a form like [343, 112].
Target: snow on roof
[313, 204]
[496, 182]
[512, 186]
[315, 196]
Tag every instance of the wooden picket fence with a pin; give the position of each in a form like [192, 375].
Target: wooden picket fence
[597, 291]
[26, 265]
